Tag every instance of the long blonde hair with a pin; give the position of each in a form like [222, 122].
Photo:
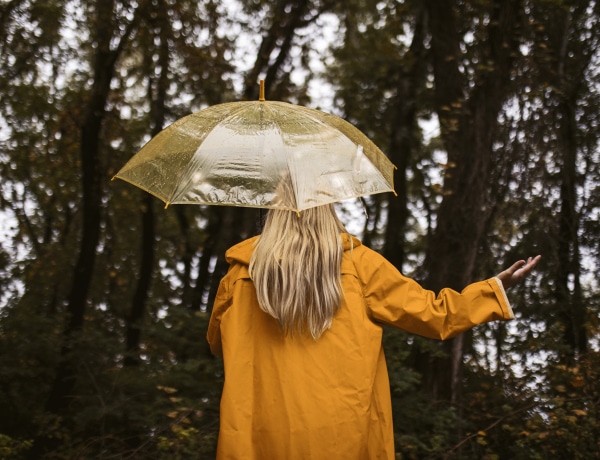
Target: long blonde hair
[296, 268]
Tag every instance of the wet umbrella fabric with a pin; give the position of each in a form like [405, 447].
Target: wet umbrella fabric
[263, 154]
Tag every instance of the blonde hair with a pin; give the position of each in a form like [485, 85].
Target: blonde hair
[296, 268]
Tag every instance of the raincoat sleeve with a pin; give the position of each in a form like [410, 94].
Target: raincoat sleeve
[222, 303]
[399, 301]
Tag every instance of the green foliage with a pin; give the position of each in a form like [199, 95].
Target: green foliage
[414, 412]
[557, 418]
[13, 449]
[567, 423]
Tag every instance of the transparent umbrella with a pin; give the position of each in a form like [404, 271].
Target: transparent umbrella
[263, 154]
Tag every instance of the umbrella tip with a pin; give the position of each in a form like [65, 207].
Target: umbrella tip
[261, 96]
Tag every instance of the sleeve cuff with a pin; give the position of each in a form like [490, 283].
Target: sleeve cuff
[505, 303]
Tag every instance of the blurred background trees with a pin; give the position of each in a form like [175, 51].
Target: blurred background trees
[488, 108]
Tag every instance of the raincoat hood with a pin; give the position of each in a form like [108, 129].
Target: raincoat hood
[242, 252]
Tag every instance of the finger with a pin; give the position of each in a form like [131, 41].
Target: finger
[515, 267]
[531, 263]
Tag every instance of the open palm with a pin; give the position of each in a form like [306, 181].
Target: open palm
[518, 271]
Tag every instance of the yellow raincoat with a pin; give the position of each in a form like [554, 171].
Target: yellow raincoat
[288, 398]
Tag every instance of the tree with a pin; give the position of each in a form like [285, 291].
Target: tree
[564, 40]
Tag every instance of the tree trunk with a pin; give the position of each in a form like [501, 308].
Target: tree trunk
[103, 70]
[468, 124]
[157, 94]
[144, 280]
[215, 220]
[91, 211]
[404, 143]
[569, 296]
[282, 29]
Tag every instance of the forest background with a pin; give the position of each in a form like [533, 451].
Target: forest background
[489, 109]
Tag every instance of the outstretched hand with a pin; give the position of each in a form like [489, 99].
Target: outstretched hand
[518, 271]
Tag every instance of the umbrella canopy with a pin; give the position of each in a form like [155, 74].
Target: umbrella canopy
[263, 154]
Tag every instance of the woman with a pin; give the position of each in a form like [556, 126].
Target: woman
[298, 319]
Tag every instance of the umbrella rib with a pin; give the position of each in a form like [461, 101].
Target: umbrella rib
[293, 180]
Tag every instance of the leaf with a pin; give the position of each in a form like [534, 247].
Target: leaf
[577, 381]
[168, 390]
